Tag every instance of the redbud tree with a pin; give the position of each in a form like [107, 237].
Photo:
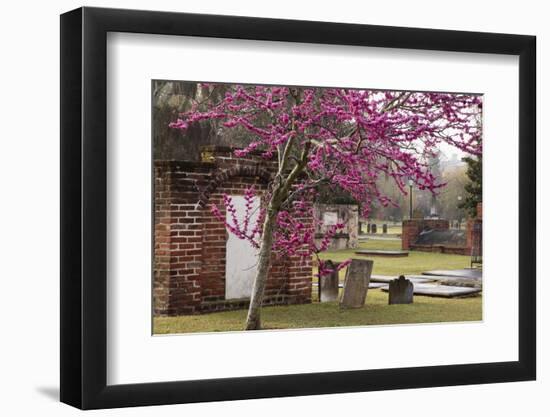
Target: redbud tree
[344, 139]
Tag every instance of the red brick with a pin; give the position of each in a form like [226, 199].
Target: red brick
[189, 273]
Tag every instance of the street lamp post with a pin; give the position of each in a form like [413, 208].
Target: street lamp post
[411, 183]
[459, 198]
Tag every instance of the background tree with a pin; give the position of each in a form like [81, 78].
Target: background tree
[453, 194]
[170, 98]
[474, 188]
[335, 137]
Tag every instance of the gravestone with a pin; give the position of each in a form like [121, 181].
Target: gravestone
[328, 284]
[368, 227]
[401, 291]
[373, 228]
[360, 228]
[356, 283]
[384, 228]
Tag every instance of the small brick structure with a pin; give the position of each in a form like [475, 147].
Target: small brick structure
[190, 242]
[330, 214]
[471, 243]
[412, 228]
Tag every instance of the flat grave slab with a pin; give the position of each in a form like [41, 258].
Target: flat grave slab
[378, 285]
[415, 279]
[379, 237]
[468, 277]
[472, 273]
[461, 282]
[445, 291]
[372, 285]
[388, 253]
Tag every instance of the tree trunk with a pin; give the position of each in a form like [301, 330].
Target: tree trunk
[280, 193]
[253, 321]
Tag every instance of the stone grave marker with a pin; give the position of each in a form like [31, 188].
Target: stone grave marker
[373, 228]
[356, 283]
[384, 228]
[328, 284]
[401, 291]
[368, 227]
[445, 291]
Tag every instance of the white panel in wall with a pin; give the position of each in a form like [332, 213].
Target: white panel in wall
[330, 218]
[241, 256]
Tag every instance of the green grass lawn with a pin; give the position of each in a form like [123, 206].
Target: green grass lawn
[393, 229]
[375, 312]
[415, 263]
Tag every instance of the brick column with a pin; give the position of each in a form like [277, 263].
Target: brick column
[178, 242]
[473, 227]
[479, 211]
[410, 231]
[299, 280]
[162, 246]
[300, 271]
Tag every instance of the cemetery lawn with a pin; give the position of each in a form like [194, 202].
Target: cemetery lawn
[393, 229]
[375, 312]
[414, 264]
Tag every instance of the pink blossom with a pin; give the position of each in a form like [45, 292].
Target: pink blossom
[353, 139]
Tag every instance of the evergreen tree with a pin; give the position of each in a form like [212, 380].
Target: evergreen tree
[473, 188]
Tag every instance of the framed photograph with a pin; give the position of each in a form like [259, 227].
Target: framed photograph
[257, 208]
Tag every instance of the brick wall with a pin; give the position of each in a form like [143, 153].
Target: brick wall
[412, 228]
[189, 242]
[348, 214]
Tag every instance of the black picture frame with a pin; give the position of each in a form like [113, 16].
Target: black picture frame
[84, 207]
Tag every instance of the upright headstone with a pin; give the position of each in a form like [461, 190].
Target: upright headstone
[384, 228]
[373, 228]
[401, 291]
[328, 284]
[356, 283]
[360, 228]
[368, 227]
